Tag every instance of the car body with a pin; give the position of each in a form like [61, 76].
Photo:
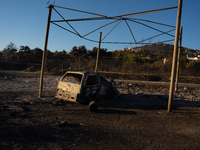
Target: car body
[84, 87]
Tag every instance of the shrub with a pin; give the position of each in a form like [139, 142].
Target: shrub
[193, 67]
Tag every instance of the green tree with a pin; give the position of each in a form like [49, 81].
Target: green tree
[119, 56]
[130, 56]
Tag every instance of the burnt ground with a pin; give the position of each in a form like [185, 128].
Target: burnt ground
[131, 121]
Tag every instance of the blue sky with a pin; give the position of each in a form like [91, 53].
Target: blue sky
[23, 22]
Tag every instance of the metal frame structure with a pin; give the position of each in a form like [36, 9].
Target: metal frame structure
[117, 20]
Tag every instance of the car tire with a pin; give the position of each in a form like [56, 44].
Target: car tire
[93, 107]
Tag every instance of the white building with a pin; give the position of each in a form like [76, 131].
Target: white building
[193, 58]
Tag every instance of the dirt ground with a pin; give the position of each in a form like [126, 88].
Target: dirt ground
[137, 119]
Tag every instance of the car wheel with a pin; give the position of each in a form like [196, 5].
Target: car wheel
[91, 98]
[93, 107]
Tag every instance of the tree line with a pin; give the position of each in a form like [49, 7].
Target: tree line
[80, 58]
[35, 55]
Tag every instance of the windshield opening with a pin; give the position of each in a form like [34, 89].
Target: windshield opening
[72, 78]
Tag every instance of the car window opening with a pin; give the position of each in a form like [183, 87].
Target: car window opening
[73, 78]
[92, 80]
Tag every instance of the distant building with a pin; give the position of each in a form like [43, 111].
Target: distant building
[165, 60]
[148, 57]
[193, 58]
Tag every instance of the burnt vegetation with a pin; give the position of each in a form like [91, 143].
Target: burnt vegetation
[151, 62]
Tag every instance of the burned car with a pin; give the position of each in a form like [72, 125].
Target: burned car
[84, 87]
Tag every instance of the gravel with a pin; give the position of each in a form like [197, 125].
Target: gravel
[137, 119]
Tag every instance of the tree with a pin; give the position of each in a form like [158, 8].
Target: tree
[49, 54]
[82, 50]
[64, 52]
[193, 67]
[94, 50]
[10, 49]
[119, 56]
[74, 51]
[37, 53]
[102, 52]
[25, 51]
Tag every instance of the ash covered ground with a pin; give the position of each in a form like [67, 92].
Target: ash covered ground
[137, 119]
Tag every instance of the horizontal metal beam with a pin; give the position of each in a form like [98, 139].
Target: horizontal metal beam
[114, 17]
[132, 42]
[79, 11]
[83, 19]
[145, 12]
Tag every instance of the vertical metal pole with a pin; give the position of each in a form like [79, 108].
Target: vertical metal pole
[97, 60]
[79, 67]
[179, 51]
[44, 51]
[101, 64]
[123, 72]
[62, 68]
[174, 63]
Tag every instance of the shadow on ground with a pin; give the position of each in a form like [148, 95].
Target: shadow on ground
[128, 102]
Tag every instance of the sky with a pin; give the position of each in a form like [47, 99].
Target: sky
[23, 22]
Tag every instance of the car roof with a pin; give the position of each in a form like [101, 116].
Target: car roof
[82, 72]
